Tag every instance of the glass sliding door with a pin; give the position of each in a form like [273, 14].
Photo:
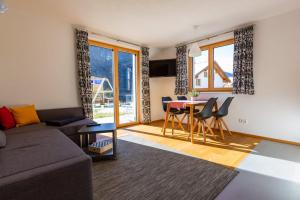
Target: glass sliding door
[127, 87]
[115, 81]
[102, 71]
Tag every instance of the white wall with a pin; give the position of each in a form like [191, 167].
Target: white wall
[37, 60]
[274, 111]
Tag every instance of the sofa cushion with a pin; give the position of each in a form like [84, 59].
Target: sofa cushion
[29, 128]
[35, 149]
[60, 113]
[7, 120]
[2, 139]
[70, 130]
[25, 115]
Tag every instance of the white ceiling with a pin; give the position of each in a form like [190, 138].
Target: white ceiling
[160, 23]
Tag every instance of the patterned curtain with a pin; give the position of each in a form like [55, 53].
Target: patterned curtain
[145, 86]
[84, 71]
[243, 61]
[181, 65]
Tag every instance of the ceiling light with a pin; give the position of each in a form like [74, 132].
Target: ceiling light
[3, 7]
[195, 50]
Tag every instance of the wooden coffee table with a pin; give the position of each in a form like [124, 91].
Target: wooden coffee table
[100, 129]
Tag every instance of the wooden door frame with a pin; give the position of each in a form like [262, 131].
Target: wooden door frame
[117, 49]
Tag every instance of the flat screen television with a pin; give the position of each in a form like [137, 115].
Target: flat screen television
[162, 68]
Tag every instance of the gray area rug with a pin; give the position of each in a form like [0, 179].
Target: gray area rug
[142, 172]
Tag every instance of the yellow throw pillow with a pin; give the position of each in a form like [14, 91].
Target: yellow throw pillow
[25, 115]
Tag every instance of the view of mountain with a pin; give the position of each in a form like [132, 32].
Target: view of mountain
[102, 66]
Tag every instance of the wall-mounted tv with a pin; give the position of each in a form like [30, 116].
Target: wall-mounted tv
[165, 68]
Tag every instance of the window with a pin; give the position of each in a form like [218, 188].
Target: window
[198, 82]
[129, 81]
[213, 70]
[200, 66]
[115, 77]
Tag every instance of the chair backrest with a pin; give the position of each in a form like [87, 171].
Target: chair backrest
[208, 108]
[223, 110]
[164, 104]
[182, 98]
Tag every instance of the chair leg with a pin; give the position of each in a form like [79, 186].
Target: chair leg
[210, 130]
[179, 123]
[195, 127]
[172, 124]
[183, 118]
[213, 122]
[220, 128]
[226, 126]
[204, 132]
[199, 128]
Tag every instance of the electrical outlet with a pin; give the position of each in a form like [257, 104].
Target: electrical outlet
[243, 121]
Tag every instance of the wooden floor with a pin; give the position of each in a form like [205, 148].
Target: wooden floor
[229, 152]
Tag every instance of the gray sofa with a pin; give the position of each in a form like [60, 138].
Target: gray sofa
[43, 162]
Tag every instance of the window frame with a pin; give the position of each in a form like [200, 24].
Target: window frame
[115, 50]
[210, 49]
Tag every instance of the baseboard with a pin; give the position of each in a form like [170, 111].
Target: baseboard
[255, 136]
[268, 138]
[156, 121]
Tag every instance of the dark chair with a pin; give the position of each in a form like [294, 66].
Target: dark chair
[219, 114]
[186, 110]
[172, 113]
[183, 98]
[206, 113]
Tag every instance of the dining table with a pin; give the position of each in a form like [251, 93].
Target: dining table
[183, 104]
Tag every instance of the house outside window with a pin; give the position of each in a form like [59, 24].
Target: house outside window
[198, 82]
[213, 70]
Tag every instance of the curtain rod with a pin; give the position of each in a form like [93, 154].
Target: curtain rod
[207, 38]
[112, 38]
[215, 35]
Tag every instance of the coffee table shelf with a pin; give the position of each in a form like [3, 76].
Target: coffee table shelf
[109, 155]
[100, 129]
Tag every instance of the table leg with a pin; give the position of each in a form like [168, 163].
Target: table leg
[192, 122]
[166, 119]
[114, 144]
[80, 139]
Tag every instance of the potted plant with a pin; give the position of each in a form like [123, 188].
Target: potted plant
[194, 94]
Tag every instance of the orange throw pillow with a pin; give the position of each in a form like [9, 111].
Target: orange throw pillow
[25, 115]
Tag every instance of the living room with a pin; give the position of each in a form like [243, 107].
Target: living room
[80, 73]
